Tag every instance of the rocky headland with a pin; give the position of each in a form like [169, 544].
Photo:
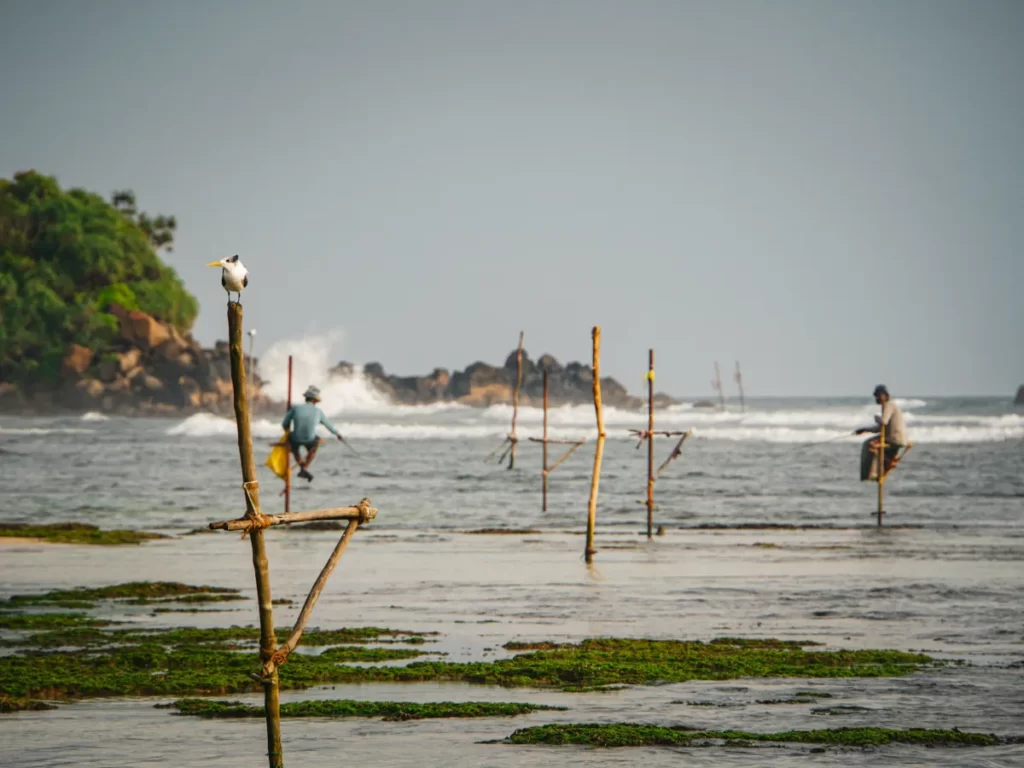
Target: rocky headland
[482, 385]
[150, 370]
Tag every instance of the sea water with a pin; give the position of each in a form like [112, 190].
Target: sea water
[767, 533]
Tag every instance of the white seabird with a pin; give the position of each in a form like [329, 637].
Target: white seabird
[233, 276]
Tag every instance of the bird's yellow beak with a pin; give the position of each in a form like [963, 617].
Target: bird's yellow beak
[214, 264]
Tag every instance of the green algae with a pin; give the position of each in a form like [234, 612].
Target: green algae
[136, 590]
[73, 637]
[795, 700]
[191, 661]
[363, 654]
[636, 735]
[36, 621]
[317, 636]
[180, 661]
[189, 598]
[388, 710]
[608, 661]
[76, 533]
[543, 645]
[503, 531]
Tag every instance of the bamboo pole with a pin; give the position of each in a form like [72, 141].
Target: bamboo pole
[599, 451]
[288, 469]
[280, 656]
[544, 455]
[271, 688]
[650, 443]
[545, 441]
[675, 451]
[334, 513]
[881, 468]
[718, 386]
[513, 437]
[739, 383]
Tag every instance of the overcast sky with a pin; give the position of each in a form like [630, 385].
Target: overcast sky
[830, 192]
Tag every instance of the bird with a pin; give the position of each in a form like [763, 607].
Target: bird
[234, 276]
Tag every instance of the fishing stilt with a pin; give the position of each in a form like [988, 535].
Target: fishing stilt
[648, 436]
[253, 524]
[595, 480]
[545, 469]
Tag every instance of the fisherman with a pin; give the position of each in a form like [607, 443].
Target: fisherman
[306, 418]
[895, 434]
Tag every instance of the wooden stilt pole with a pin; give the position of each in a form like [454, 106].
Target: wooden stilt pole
[650, 444]
[288, 470]
[544, 455]
[547, 469]
[881, 470]
[718, 386]
[599, 451]
[271, 689]
[739, 383]
[513, 437]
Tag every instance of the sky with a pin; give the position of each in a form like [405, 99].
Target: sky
[831, 193]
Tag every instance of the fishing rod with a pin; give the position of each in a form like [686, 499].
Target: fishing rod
[347, 445]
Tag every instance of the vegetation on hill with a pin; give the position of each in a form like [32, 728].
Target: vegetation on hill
[65, 255]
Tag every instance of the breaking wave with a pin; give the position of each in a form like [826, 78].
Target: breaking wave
[571, 422]
[361, 411]
[312, 359]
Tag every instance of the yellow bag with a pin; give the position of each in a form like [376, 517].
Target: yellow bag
[278, 458]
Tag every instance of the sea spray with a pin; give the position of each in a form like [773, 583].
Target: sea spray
[312, 359]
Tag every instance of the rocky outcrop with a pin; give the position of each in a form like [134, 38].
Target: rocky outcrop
[1019, 400]
[151, 369]
[481, 384]
[76, 361]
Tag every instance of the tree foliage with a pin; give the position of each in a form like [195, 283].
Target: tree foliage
[65, 255]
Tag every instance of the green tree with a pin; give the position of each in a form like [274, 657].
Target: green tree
[65, 255]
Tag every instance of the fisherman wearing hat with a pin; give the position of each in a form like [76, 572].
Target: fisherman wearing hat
[306, 417]
[895, 434]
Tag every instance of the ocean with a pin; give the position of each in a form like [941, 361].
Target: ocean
[767, 533]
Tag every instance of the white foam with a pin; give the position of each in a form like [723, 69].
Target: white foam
[919, 436]
[203, 425]
[312, 359]
[910, 402]
[94, 416]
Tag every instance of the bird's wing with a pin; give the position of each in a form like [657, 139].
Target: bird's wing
[245, 281]
[224, 279]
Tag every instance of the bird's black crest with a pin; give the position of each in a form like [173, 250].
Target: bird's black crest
[232, 259]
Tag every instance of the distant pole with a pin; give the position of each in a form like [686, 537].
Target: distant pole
[739, 383]
[599, 451]
[650, 443]
[544, 458]
[515, 402]
[881, 469]
[717, 384]
[288, 466]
